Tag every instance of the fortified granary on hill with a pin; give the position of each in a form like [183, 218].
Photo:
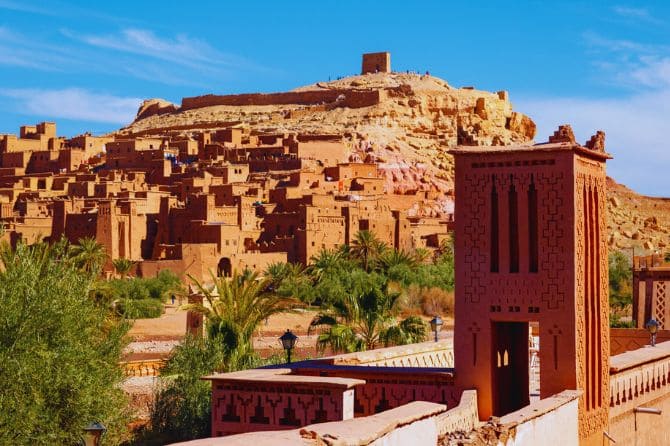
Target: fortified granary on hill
[206, 201]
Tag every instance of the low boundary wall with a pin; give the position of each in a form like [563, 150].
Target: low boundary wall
[414, 424]
[553, 420]
[627, 339]
[344, 98]
[640, 379]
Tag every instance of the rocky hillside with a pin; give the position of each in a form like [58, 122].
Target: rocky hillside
[407, 131]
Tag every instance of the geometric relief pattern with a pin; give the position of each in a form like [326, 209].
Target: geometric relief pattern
[590, 185]
[478, 187]
[388, 388]
[372, 398]
[244, 408]
[548, 285]
[551, 190]
[660, 303]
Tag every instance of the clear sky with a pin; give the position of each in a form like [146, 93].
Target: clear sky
[597, 65]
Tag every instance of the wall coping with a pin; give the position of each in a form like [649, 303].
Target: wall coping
[641, 356]
[362, 431]
[541, 407]
[542, 147]
[282, 376]
[387, 353]
[356, 431]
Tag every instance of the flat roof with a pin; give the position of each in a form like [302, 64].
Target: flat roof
[527, 148]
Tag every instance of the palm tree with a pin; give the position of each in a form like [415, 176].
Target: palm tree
[394, 257]
[367, 248]
[365, 320]
[236, 307]
[325, 261]
[280, 272]
[89, 255]
[123, 266]
[421, 255]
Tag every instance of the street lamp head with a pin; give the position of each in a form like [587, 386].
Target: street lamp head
[288, 340]
[652, 326]
[93, 432]
[436, 324]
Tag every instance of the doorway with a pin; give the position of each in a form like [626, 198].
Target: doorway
[509, 366]
[224, 268]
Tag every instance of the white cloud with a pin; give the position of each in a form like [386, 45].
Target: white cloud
[635, 127]
[652, 71]
[72, 103]
[634, 118]
[638, 14]
[136, 53]
[23, 7]
[181, 50]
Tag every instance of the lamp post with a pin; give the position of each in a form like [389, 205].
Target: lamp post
[436, 325]
[652, 328]
[288, 341]
[92, 434]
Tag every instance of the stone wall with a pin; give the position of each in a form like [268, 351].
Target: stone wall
[344, 98]
[385, 388]
[376, 63]
[552, 420]
[150, 367]
[424, 354]
[462, 418]
[414, 424]
[640, 378]
[626, 339]
[272, 399]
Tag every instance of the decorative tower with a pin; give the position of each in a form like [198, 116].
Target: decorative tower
[531, 247]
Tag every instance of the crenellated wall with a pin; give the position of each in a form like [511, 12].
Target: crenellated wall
[344, 98]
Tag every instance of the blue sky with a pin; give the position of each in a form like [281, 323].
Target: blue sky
[601, 65]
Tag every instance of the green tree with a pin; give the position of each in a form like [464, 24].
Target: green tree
[237, 307]
[89, 255]
[123, 267]
[367, 248]
[365, 319]
[181, 409]
[394, 258]
[59, 351]
[620, 279]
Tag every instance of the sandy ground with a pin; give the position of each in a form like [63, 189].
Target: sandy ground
[155, 338]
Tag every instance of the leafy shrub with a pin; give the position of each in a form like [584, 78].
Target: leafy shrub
[59, 352]
[182, 404]
[140, 308]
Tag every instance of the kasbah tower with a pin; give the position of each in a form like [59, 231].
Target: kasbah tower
[531, 247]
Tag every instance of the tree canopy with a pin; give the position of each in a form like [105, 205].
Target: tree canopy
[59, 350]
